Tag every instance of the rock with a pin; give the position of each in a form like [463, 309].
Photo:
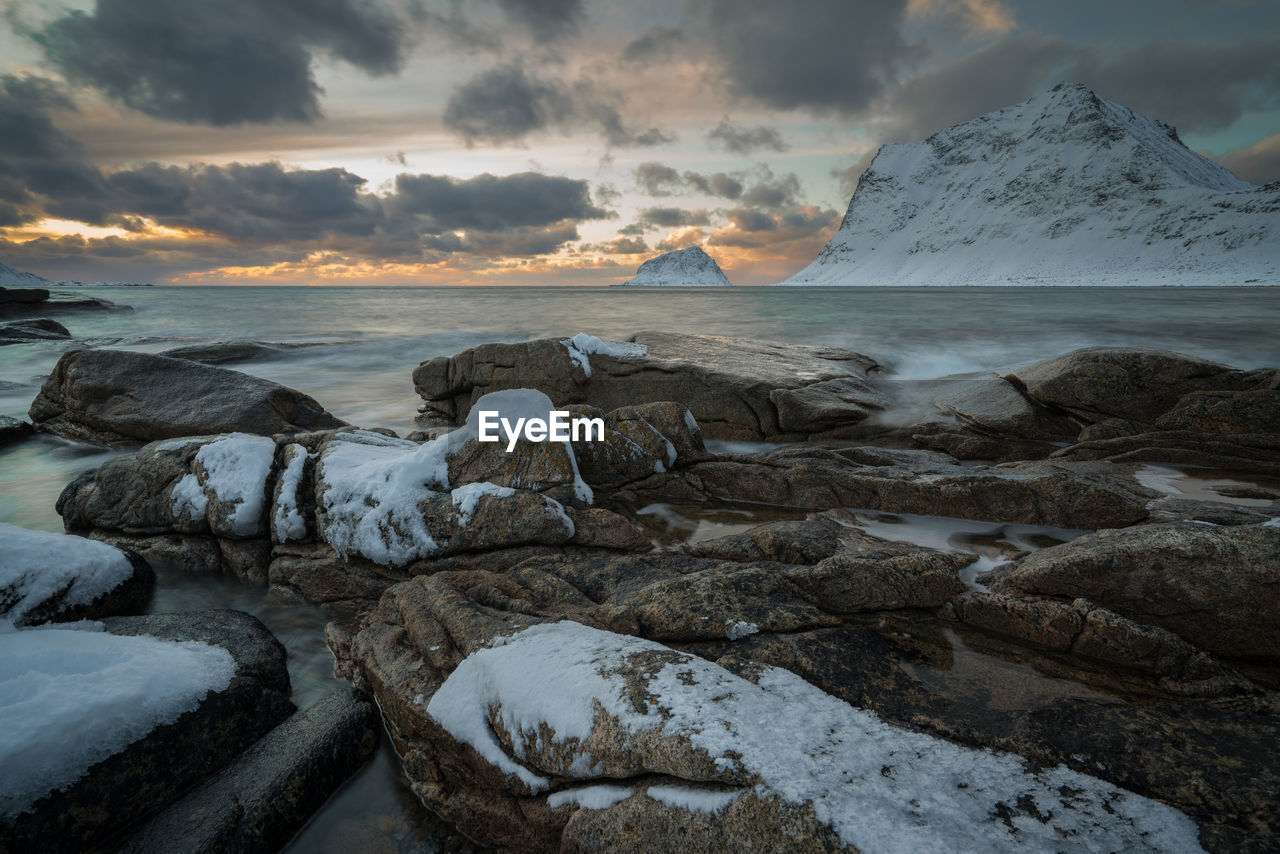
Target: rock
[257, 803]
[1095, 633]
[1255, 411]
[1251, 452]
[1214, 587]
[57, 577]
[153, 770]
[1129, 383]
[23, 302]
[1062, 494]
[531, 465]
[116, 397]
[13, 430]
[995, 407]
[23, 296]
[735, 388]
[39, 329]
[225, 352]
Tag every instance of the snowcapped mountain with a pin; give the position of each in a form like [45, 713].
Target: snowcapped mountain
[1065, 188]
[11, 278]
[689, 266]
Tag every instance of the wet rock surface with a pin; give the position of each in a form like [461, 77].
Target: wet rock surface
[1007, 571]
[152, 770]
[37, 329]
[121, 398]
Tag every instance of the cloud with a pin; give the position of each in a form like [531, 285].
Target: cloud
[741, 139]
[546, 19]
[508, 103]
[751, 229]
[830, 56]
[662, 217]
[491, 203]
[656, 43]
[1259, 163]
[620, 246]
[758, 187]
[1195, 86]
[978, 16]
[222, 62]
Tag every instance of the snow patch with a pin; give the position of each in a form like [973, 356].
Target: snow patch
[72, 696]
[234, 471]
[37, 566]
[598, 797]
[582, 345]
[735, 629]
[705, 801]
[880, 787]
[289, 524]
[466, 497]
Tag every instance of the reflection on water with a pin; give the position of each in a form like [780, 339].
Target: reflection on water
[1201, 484]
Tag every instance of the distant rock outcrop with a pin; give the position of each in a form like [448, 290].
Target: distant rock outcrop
[1065, 188]
[683, 267]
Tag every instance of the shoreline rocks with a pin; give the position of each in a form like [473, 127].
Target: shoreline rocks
[121, 398]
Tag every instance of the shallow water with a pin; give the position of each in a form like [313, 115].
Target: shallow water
[373, 337]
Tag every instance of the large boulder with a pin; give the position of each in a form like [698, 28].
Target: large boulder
[121, 398]
[736, 388]
[13, 429]
[1138, 384]
[1215, 587]
[151, 770]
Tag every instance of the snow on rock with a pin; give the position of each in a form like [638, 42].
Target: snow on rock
[880, 787]
[707, 801]
[73, 695]
[597, 797]
[1064, 188]
[369, 487]
[582, 345]
[736, 629]
[287, 520]
[683, 267]
[39, 566]
[467, 496]
[233, 471]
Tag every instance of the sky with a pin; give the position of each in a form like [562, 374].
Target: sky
[523, 142]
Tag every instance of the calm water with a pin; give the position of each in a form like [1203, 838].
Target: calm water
[370, 339]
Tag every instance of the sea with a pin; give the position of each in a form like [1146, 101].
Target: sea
[363, 343]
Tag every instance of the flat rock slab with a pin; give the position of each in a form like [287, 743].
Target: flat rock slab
[257, 803]
[151, 771]
[736, 388]
[36, 329]
[121, 398]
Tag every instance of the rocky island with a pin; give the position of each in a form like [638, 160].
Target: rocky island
[999, 611]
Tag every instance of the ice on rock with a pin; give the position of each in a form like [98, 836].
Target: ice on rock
[597, 797]
[37, 566]
[881, 788]
[736, 629]
[706, 801]
[73, 695]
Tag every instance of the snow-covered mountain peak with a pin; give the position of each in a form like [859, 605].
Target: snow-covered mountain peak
[1064, 188]
[691, 266]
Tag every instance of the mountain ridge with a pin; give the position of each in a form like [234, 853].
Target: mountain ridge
[1064, 188]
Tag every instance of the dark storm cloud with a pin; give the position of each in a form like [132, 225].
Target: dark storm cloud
[221, 62]
[508, 103]
[720, 184]
[753, 229]
[491, 202]
[1196, 87]
[824, 55]
[741, 139]
[258, 202]
[523, 242]
[41, 168]
[655, 44]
